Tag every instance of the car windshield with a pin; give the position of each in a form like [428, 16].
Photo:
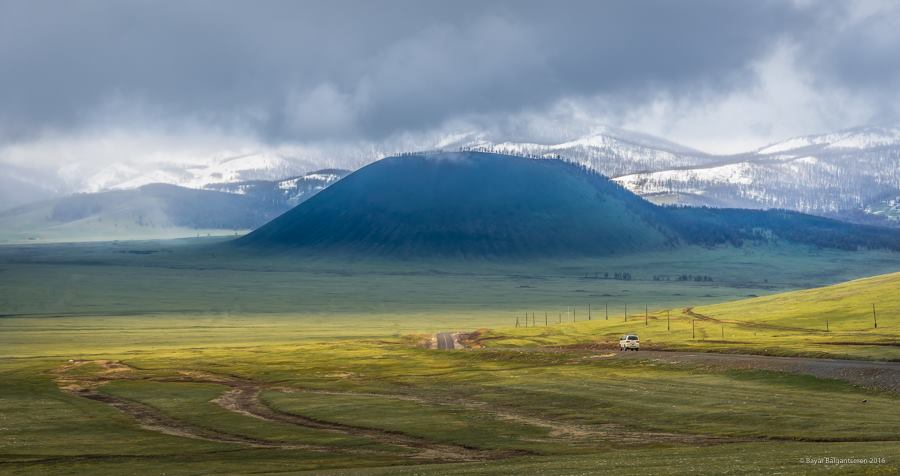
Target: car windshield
[632, 338]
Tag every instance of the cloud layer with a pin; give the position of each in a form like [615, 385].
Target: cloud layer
[715, 75]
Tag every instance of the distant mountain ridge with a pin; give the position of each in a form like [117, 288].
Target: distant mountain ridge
[161, 210]
[488, 205]
[853, 175]
[289, 191]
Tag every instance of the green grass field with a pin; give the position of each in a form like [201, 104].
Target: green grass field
[116, 361]
[832, 321]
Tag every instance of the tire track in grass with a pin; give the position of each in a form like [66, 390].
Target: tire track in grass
[243, 397]
[561, 429]
[152, 419]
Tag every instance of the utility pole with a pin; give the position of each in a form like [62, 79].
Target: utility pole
[693, 333]
[626, 312]
[826, 325]
[645, 314]
[723, 331]
[545, 319]
[874, 318]
[573, 313]
[668, 322]
[559, 319]
[526, 319]
[517, 321]
[589, 312]
[607, 311]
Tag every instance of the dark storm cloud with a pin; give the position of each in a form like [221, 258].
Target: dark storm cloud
[310, 70]
[859, 56]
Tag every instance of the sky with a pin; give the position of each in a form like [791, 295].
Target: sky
[88, 83]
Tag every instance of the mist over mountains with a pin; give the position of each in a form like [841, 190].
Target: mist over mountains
[160, 210]
[851, 175]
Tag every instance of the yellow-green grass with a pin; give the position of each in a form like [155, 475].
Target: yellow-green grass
[570, 387]
[192, 403]
[323, 345]
[38, 421]
[845, 307]
[740, 459]
[792, 323]
[504, 399]
[443, 422]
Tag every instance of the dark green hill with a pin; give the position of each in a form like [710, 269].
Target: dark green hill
[472, 204]
[469, 204]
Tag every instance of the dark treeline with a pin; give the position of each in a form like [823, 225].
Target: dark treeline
[619, 275]
[714, 226]
[699, 278]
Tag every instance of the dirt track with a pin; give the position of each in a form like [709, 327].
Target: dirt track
[869, 374]
[154, 420]
[243, 397]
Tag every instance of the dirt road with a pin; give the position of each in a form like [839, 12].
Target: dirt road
[446, 341]
[869, 374]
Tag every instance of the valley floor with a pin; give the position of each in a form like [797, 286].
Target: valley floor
[379, 403]
[108, 367]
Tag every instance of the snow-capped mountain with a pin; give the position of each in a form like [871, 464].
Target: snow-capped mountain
[289, 191]
[610, 151]
[850, 174]
[841, 174]
[861, 138]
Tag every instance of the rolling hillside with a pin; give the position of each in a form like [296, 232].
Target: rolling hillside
[846, 306]
[477, 204]
[833, 321]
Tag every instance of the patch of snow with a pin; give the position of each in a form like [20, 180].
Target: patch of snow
[788, 145]
[654, 182]
[867, 140]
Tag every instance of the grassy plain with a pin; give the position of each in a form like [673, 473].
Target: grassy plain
[196, 277]
[154, 358]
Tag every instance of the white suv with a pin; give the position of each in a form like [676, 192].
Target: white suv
[629, 341]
